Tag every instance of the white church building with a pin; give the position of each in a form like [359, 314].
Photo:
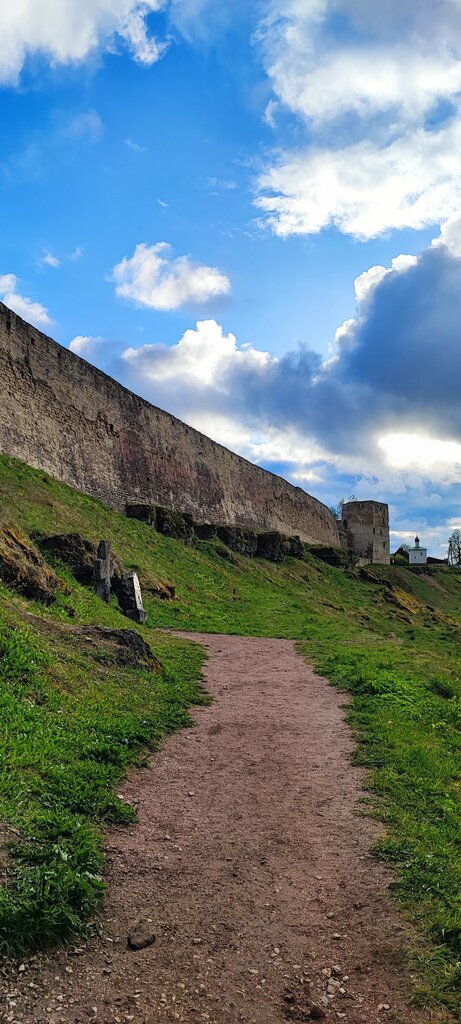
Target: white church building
[417, 555]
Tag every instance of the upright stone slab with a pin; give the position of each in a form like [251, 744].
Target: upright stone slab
[103, 570]
[130, 598]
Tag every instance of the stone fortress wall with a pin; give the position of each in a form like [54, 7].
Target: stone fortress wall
[60, 414]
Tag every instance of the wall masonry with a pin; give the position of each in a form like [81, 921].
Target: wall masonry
[58, 413]
[366, 524]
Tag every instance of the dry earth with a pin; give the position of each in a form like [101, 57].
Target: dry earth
[251, 866]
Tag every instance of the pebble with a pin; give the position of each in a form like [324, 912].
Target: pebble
[317, 1012]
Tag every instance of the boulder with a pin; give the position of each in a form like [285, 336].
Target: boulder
[205, 531]
[239, 539]
[179, 525]
[127, 646]
[271, 546]
[24, 569]
[144, 512]
[165, 591]
[142, 934]
[332, 556]
[79, 554]
[295, 547]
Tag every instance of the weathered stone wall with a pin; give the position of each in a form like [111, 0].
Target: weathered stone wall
[366, 524]
[58, 413]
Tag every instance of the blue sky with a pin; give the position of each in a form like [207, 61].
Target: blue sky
[250, 215]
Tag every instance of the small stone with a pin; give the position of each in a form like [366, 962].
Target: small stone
[336, 935]
[383, 1006]
[330, 914]
[142, 934]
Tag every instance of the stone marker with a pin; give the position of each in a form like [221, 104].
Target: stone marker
[130, 598]
[103, 570]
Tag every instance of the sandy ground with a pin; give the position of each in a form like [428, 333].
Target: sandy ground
[251, 866]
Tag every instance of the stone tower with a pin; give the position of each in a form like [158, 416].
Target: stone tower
[366, 525]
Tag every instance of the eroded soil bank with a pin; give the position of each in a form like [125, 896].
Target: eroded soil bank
[250, 864]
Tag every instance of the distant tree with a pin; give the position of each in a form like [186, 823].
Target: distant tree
[401, 555]
[337, 510]
[454, 549]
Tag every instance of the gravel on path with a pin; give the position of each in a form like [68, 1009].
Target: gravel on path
[247, 886]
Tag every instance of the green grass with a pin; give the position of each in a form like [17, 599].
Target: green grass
[394, 644]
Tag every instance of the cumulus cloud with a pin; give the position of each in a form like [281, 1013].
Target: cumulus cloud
[396, 57]
[152, 278]
[86, 346]
[31, 311]
[380, 102]
[365, 189]
[386, 403]
[67, 31]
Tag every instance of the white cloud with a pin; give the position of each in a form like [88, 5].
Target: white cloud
[401, 63]
[202, 356]
[380, 102]
[424, 452]
[222, 184]
[29, 310]
[153, 279]
[48, 259]
[201, 379]
[135, 146]
[364, 189]
[450, 235]
[86, 346]
[67, 31]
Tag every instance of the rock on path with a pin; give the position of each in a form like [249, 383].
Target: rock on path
[250, 868]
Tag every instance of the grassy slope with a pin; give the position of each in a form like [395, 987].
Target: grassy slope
[396, 649]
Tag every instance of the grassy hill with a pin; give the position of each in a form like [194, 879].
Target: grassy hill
[76, 709]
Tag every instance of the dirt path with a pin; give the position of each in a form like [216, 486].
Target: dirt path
[251, 863]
